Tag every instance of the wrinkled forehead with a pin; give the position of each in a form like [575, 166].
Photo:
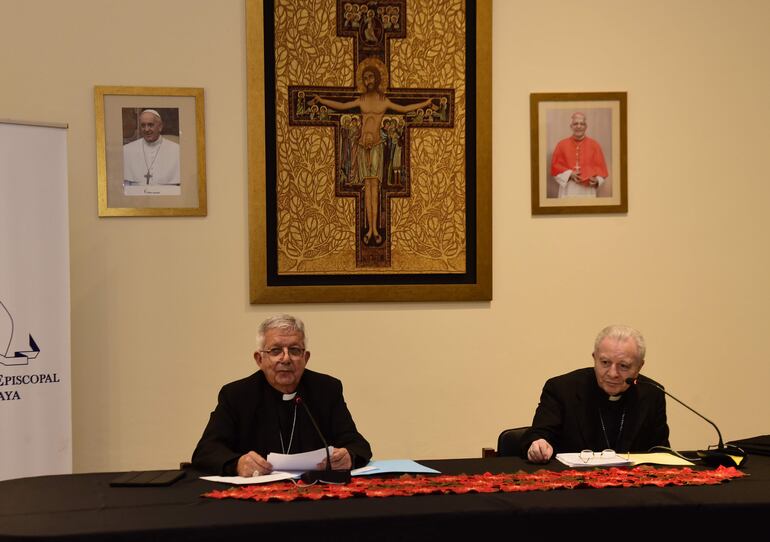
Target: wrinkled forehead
[578, 117]
[621, 347]
[287, 335]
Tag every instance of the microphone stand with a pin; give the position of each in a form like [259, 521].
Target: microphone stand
[722, 455]
[328, 475]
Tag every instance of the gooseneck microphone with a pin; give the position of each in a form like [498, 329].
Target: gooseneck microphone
[328, 476]
[722, 454]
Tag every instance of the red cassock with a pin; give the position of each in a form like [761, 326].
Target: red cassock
[585, 156]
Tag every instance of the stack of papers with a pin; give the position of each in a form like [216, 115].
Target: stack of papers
[292, 466]
[298, 462]
[574, 460]
[393, 465]
[285, 467]
[261, 479]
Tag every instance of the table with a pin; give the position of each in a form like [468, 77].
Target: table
[84, 507]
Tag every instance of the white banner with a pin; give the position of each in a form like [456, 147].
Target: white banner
[35, 409]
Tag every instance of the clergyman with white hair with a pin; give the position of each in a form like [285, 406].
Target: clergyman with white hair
[259, 414]
[600, 407]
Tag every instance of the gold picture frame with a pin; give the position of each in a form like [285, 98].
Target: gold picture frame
[366, 282]
[559, 184]
[172, 151]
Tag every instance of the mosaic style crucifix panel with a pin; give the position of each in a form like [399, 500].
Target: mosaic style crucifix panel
[372, 122]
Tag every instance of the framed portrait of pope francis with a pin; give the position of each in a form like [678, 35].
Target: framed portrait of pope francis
[150, 151]
[578, 153]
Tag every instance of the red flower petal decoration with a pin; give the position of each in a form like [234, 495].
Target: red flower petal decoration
[542, 480]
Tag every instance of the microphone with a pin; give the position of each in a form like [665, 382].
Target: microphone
[328, 476]
[722, 454]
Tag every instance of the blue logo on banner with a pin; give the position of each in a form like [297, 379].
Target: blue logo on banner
[7, 355]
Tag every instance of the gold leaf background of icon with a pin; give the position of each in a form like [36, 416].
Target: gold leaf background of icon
[316, 229]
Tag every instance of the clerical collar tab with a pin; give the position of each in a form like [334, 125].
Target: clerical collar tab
[611, 397]
[289, 396]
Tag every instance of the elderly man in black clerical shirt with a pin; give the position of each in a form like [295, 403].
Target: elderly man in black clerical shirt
[259, 414]
[595, 408]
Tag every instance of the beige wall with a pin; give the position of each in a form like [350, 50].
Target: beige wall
[160, 312]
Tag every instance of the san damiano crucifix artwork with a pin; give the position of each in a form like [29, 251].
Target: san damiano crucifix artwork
[374, 122]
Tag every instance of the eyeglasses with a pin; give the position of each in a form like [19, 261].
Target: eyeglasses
[588, 455]
[294, 352]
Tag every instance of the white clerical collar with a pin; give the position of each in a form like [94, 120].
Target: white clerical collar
[289, 396]
[617, 397]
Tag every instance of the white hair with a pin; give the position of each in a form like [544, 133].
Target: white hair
[285, 322]
[622, 333]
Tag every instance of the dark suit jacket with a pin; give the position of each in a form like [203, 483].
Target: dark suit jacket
[568, 415]
[246, 418]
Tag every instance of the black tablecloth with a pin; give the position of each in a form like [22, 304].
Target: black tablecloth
[84, 507]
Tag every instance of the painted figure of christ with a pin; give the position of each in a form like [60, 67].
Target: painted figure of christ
[373, 104]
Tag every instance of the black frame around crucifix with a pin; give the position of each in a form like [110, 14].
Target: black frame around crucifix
[371, 281]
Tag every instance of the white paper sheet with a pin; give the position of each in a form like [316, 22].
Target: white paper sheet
[298, 462]
[261, 479]
[393, 465]
[573, 460]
